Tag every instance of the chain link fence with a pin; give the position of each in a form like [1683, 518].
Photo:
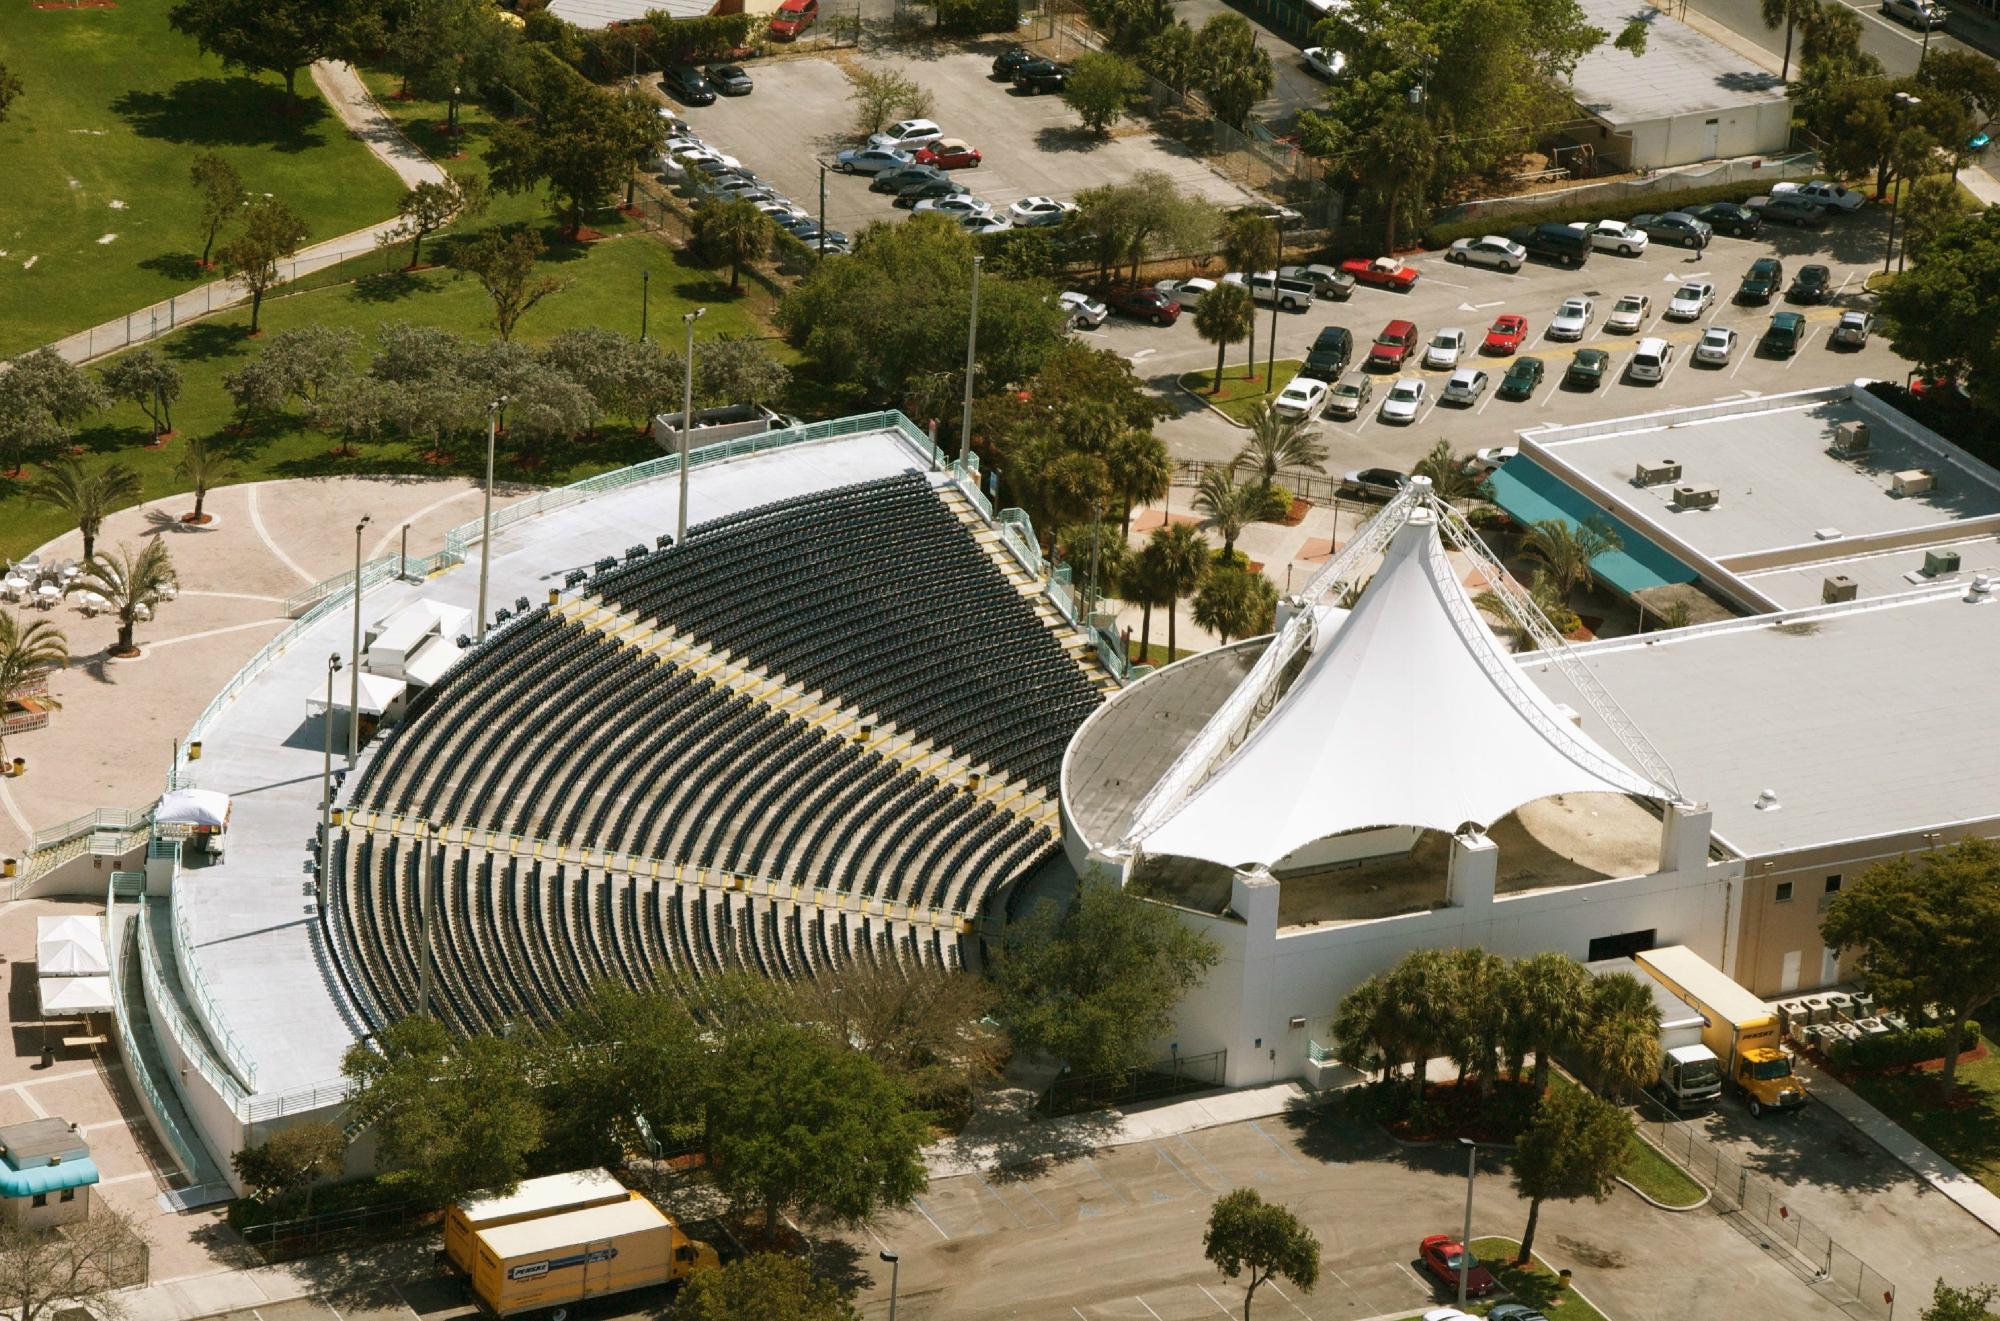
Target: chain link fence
[1149, 1082]
[1621, 195]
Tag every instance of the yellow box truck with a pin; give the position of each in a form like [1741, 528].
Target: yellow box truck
[534, 1198]
[552, 1262]
[1741, 1029]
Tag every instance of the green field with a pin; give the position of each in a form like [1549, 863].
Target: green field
[113, 106]
[1965, 1132]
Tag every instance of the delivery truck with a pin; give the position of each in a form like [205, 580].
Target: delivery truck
[1690, 1076]
[531, 1200]
[551, 1263]
[1740, 1029]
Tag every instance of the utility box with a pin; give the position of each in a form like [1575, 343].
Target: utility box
[1696, 497]
[1836, 589]
[1657, 472]
[1849, 439]
[1940, 562]
[1914, 481]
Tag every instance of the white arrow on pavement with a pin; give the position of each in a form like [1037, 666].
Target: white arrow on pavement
[1682, 279]
[1480, 307]
[1141, 354]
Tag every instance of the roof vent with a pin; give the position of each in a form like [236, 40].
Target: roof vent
[1828, 534]
[1981, 591]
[1767, 801]
[1838, 588]
[1913, 481]
[1696, 497]
[1849, 439]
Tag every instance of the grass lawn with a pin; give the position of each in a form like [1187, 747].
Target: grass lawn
[1535, 1284]
[1661, 1179]
[113, 106]
[1965, 1132]
[1242, 387]
[1156, 654]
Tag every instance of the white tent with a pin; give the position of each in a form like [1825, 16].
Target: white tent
[74, 995]
[192, 807]
[378, 694]
[74, 926]
[1410, 714]
[69, 946]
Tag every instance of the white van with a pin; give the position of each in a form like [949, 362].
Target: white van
[1651, 360]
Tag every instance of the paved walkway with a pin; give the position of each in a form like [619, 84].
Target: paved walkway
[349, 97]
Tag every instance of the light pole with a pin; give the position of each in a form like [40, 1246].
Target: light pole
[971, 347]
[645, 302]
[1898, 104]
[486, 512]
[822, 210]
[1465, 1242]
[424, 924]
[687, 416]
[1277, 259]
[354, 672]
[326, 771]
[895, 1271]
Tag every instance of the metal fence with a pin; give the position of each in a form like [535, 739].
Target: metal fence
[308, 1235]
[1765, 1210]
[1631, 193]
[1148, 1082]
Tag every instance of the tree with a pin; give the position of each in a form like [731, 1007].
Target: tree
[446, 47]
[1567, 550]
[272, 231]
[1620, 1043]
[1228, 508]
[279, 36]
[764, 1286]
[1475, 1035]
[1551, 997]
[1236, 603]
[880, 95]
[1130, 24]
[599, 361]
[731, 233]
[203, 467]
[292, 1160]
[796, 1122]
[1095, 985]
[1931, 206]
[1968, 77]
[1173, 56]
[1182, 560]
[10, 91]
[27, 653]
[1140, 470]
[1972, 1303]
[737, 369]
[1575, 1146]
[43, 396]
[1099, 86]
[1449, 480]
[430, 206]
[149, 379]
[1938, 312]
[1787, 14]
[1150, 586]
[1866, 129]
[307, 362]
[450, 1118]
[1246, 1233]
[132, 581]
[931, 1028]
[620, 1057]
[1920, 924]
[503, 261]
[579, 143]
[218, 195]
[1277, 442]
[1235, 72]
[1250, 242]
[1149, 213]
[87, 496]
[44, 1274]
[1224, 317]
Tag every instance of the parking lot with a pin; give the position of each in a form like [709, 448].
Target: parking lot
[800, 115]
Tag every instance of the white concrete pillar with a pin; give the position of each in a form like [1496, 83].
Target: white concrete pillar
[1684, 837]
[1475, 870]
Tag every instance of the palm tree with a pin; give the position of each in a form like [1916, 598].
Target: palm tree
[1449, 480]
[1550, 1006]
[1276, 442]
[1236, 603]
[1620, 1044]
[1567, 549]
[87, 497]
[1223, 317]
[131, 580]
[1088, 546]
[1362, 1036]
[1141, 469]
[1229, 508]
[1789, 13]
[733, 233]
[27, 652]
[1423, 995]
[1150, 585]
[202, 466]
[1475, 1035]
[1183, 561]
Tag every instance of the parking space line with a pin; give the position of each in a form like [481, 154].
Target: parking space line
[1405, 1268]
[1212, 1298]
[924, 1211]
[1222, 1180]
[1186, 1178]
[1288, 1298]
[1742, 354]
[1149, 1308]
[1814, 330]
[1115, 1190]
[1487, 398]
[1283, 1150]
[998, 1198]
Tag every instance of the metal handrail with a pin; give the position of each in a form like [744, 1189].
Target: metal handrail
[185, 1149]
[205, 1009]
[192, 1043]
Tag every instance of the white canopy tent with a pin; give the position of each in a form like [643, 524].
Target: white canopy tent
[192, 807]
[69, 946]
[74, 995]
[1409, 714]
[378, 694]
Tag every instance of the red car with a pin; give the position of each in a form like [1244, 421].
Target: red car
[1441, 1256]
[793, 17]
[1144, 305]
[1383, 272]
[1393, 347]
[949, 154]
[1507, 333]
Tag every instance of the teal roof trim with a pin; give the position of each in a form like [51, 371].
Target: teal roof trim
[1531, 493]
[47, 1178]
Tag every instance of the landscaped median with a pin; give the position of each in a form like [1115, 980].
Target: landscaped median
[1242, 387]
[1658, 1179]
[1534, 1284]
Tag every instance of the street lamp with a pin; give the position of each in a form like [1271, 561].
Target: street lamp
[1898, 104]
[1277, 259]
[822, 211]
[326, 771]
[687, 416]
[486, 512]
[895, 1271]
[645, 302]
[1465, 1242]
[354, 674]
[971, 347]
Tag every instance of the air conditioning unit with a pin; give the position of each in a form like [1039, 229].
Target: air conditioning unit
[1940, 562]
[1657, 472]
[1838, 588]
[1913, 481]
[1696, 497]
[1849, 439]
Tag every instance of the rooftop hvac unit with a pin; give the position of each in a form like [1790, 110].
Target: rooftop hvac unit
[1696, 497]
[1836, 589]
[1657, 472]
[1849, 439]
[1937, 562]
[1914, 481]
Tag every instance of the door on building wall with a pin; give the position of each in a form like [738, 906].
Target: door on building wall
[1829, 965]
[1788, 979]
[1711, 139]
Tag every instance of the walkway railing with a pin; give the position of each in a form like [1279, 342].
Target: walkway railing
[187, 1035]
[104, 818]
[210, 1017]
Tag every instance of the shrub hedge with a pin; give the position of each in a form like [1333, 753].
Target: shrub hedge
[1915, 1046]
[1440, 233]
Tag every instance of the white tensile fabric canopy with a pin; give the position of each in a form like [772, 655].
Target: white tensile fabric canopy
[192, 807]
[1410, 714]
[69, 946]
[74, 995]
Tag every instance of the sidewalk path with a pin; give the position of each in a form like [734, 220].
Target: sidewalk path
[349, 97]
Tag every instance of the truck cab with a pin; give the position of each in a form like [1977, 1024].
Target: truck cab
[1691, 1076]
[1764, 1076]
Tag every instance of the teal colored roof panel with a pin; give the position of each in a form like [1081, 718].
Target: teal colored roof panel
[47, 1178]
[1531, 493]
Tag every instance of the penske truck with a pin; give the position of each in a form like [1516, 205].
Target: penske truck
[1738, 1028]
[531, 1200]
[553, 1262]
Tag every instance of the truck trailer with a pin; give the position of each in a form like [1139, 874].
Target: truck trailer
[550, 1263]
[1740, 1029]
[534, 1198]
[1690, 1075]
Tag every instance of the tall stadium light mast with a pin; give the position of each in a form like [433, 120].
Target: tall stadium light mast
[486, 512]
[687, 417]
[354, 672]
[971, 347]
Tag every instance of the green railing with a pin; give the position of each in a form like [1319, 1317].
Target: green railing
[103, 818]
[186, 1148]
[206, 1014]
[193, 1045]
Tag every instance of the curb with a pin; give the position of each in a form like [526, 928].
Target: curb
[1706, 1194]
[1181, 385]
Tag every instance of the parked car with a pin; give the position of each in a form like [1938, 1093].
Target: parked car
[1269, 287]
[1442, 1256]
[904, 176]
[976, 223]
[929, 190]
[1188, 292]
[1615, 236]
[1445, 348]
[1302, 397]
[1007, 61]
[1785, 209]
[958, 204]
[1038, 76]
[1762, 281]
[1393, 346]
[949, 154]
[1652, 360]
[1781, 339]
[1586, 369]
[1716, 346]
[729, 79]
[1813, 284]
[1037, 211]
[907, 135]
[1283, 215]
[1145, 305]
[1512, 1312]
[1491, 250]
[1405, 397]
[1486, 460]
[808, 233]
[1383, 272]
[1349, 397]
[1822, 192]
[1523, 378]
[1629, 313]
[1854, 329]
[869, 160]
[1331, 351]
[1690, 301]
[687, 84]
[1509, 329]
[1465, 387]
[1731, 218]
[1920, 14]
[792, 18]
[1325, 61]
[1085, 312]
[1327, 282]
[1572, 319]
[1553, 242]
[1381, 483]
[1676, 227]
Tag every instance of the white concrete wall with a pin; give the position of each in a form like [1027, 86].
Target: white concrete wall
[1758, 128]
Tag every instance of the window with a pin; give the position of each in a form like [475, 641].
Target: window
[41, 1199]
[1833, 885]
[1782, 892]
[69, 1194]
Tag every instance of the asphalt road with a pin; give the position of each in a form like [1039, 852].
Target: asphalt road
[1891, 42]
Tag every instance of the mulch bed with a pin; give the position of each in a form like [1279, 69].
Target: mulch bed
[585, 234]
[1451, 1111]
[1297, 514]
